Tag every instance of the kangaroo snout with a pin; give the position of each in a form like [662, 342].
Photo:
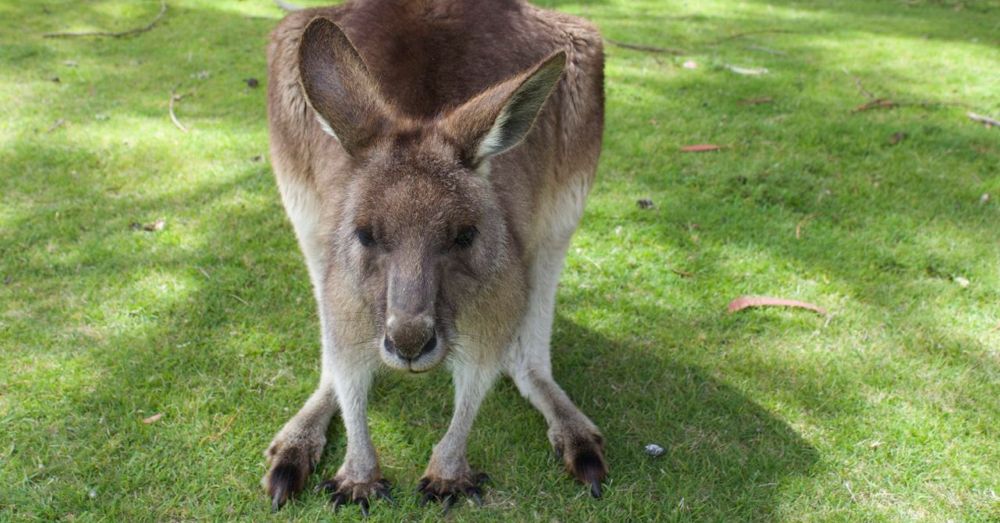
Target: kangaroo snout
[409, 336]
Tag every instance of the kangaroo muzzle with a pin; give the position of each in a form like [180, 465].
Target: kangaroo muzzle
[409, 336]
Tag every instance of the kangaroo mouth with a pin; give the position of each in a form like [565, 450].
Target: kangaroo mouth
[427, 360]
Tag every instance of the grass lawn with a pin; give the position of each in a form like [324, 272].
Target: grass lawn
[888, 409]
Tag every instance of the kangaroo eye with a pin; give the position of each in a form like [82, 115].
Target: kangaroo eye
[465, 237]
[365, 236]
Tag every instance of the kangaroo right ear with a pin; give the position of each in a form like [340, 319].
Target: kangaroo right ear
[339, 87]
[500, 117]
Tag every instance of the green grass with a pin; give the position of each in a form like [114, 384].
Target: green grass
[887, 410]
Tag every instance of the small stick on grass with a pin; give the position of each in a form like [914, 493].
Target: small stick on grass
[241, 300]
[990, 122]
[861, 87]
[734, 36]
[802, 222]
[174, 97]
[646, 48]
[878, 103]
[59, 123]
[756, 101]
[115, 34]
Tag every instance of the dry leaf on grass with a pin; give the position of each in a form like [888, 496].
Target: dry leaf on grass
[744, 302]
[153, 419]
[700, 148]
[756, 101]
[156, 226]
[802, 223]
[878, 103]
[682, 274]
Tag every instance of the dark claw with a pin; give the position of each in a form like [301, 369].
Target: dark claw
[449, 501]
[326, 486]
[338, 501]
[476, 497]
[283, 481]
[277, 500]
[364, 507]
[385, 495]
[595, 488]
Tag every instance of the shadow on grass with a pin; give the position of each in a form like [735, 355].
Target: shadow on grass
[725, 455]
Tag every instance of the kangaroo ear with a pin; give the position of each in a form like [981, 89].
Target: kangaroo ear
[339, 87]
[500, 117]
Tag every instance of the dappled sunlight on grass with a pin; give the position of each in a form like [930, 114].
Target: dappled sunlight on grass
[765, 414]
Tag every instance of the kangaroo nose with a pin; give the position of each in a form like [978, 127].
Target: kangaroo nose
[411, 337]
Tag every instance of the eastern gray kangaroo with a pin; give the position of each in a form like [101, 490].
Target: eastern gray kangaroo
[434, 157]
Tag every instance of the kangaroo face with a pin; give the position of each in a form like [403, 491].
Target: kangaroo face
[422, 228]
[423, 234]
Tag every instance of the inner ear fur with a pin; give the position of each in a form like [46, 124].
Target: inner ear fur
[499, 118]
[339, 86]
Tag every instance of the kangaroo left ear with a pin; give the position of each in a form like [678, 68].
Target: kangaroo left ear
[499, 118]
[339, 86]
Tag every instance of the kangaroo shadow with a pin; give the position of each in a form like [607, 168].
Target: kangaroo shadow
[725, 456]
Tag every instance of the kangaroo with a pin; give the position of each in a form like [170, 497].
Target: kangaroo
[433, 157]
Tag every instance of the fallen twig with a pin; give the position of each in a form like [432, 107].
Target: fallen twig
[878, 103]
[118, 34]
[990, 122]
[647, 48]
[682, 274]
[241, 300]
[59, 123]
[734, 36]
[756, 101]
[802, 223]
[700, 148]
[174, 97]
[744, 302]
[225, 428]
[861, 87]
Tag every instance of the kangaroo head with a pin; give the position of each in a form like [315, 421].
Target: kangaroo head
[420, 230]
